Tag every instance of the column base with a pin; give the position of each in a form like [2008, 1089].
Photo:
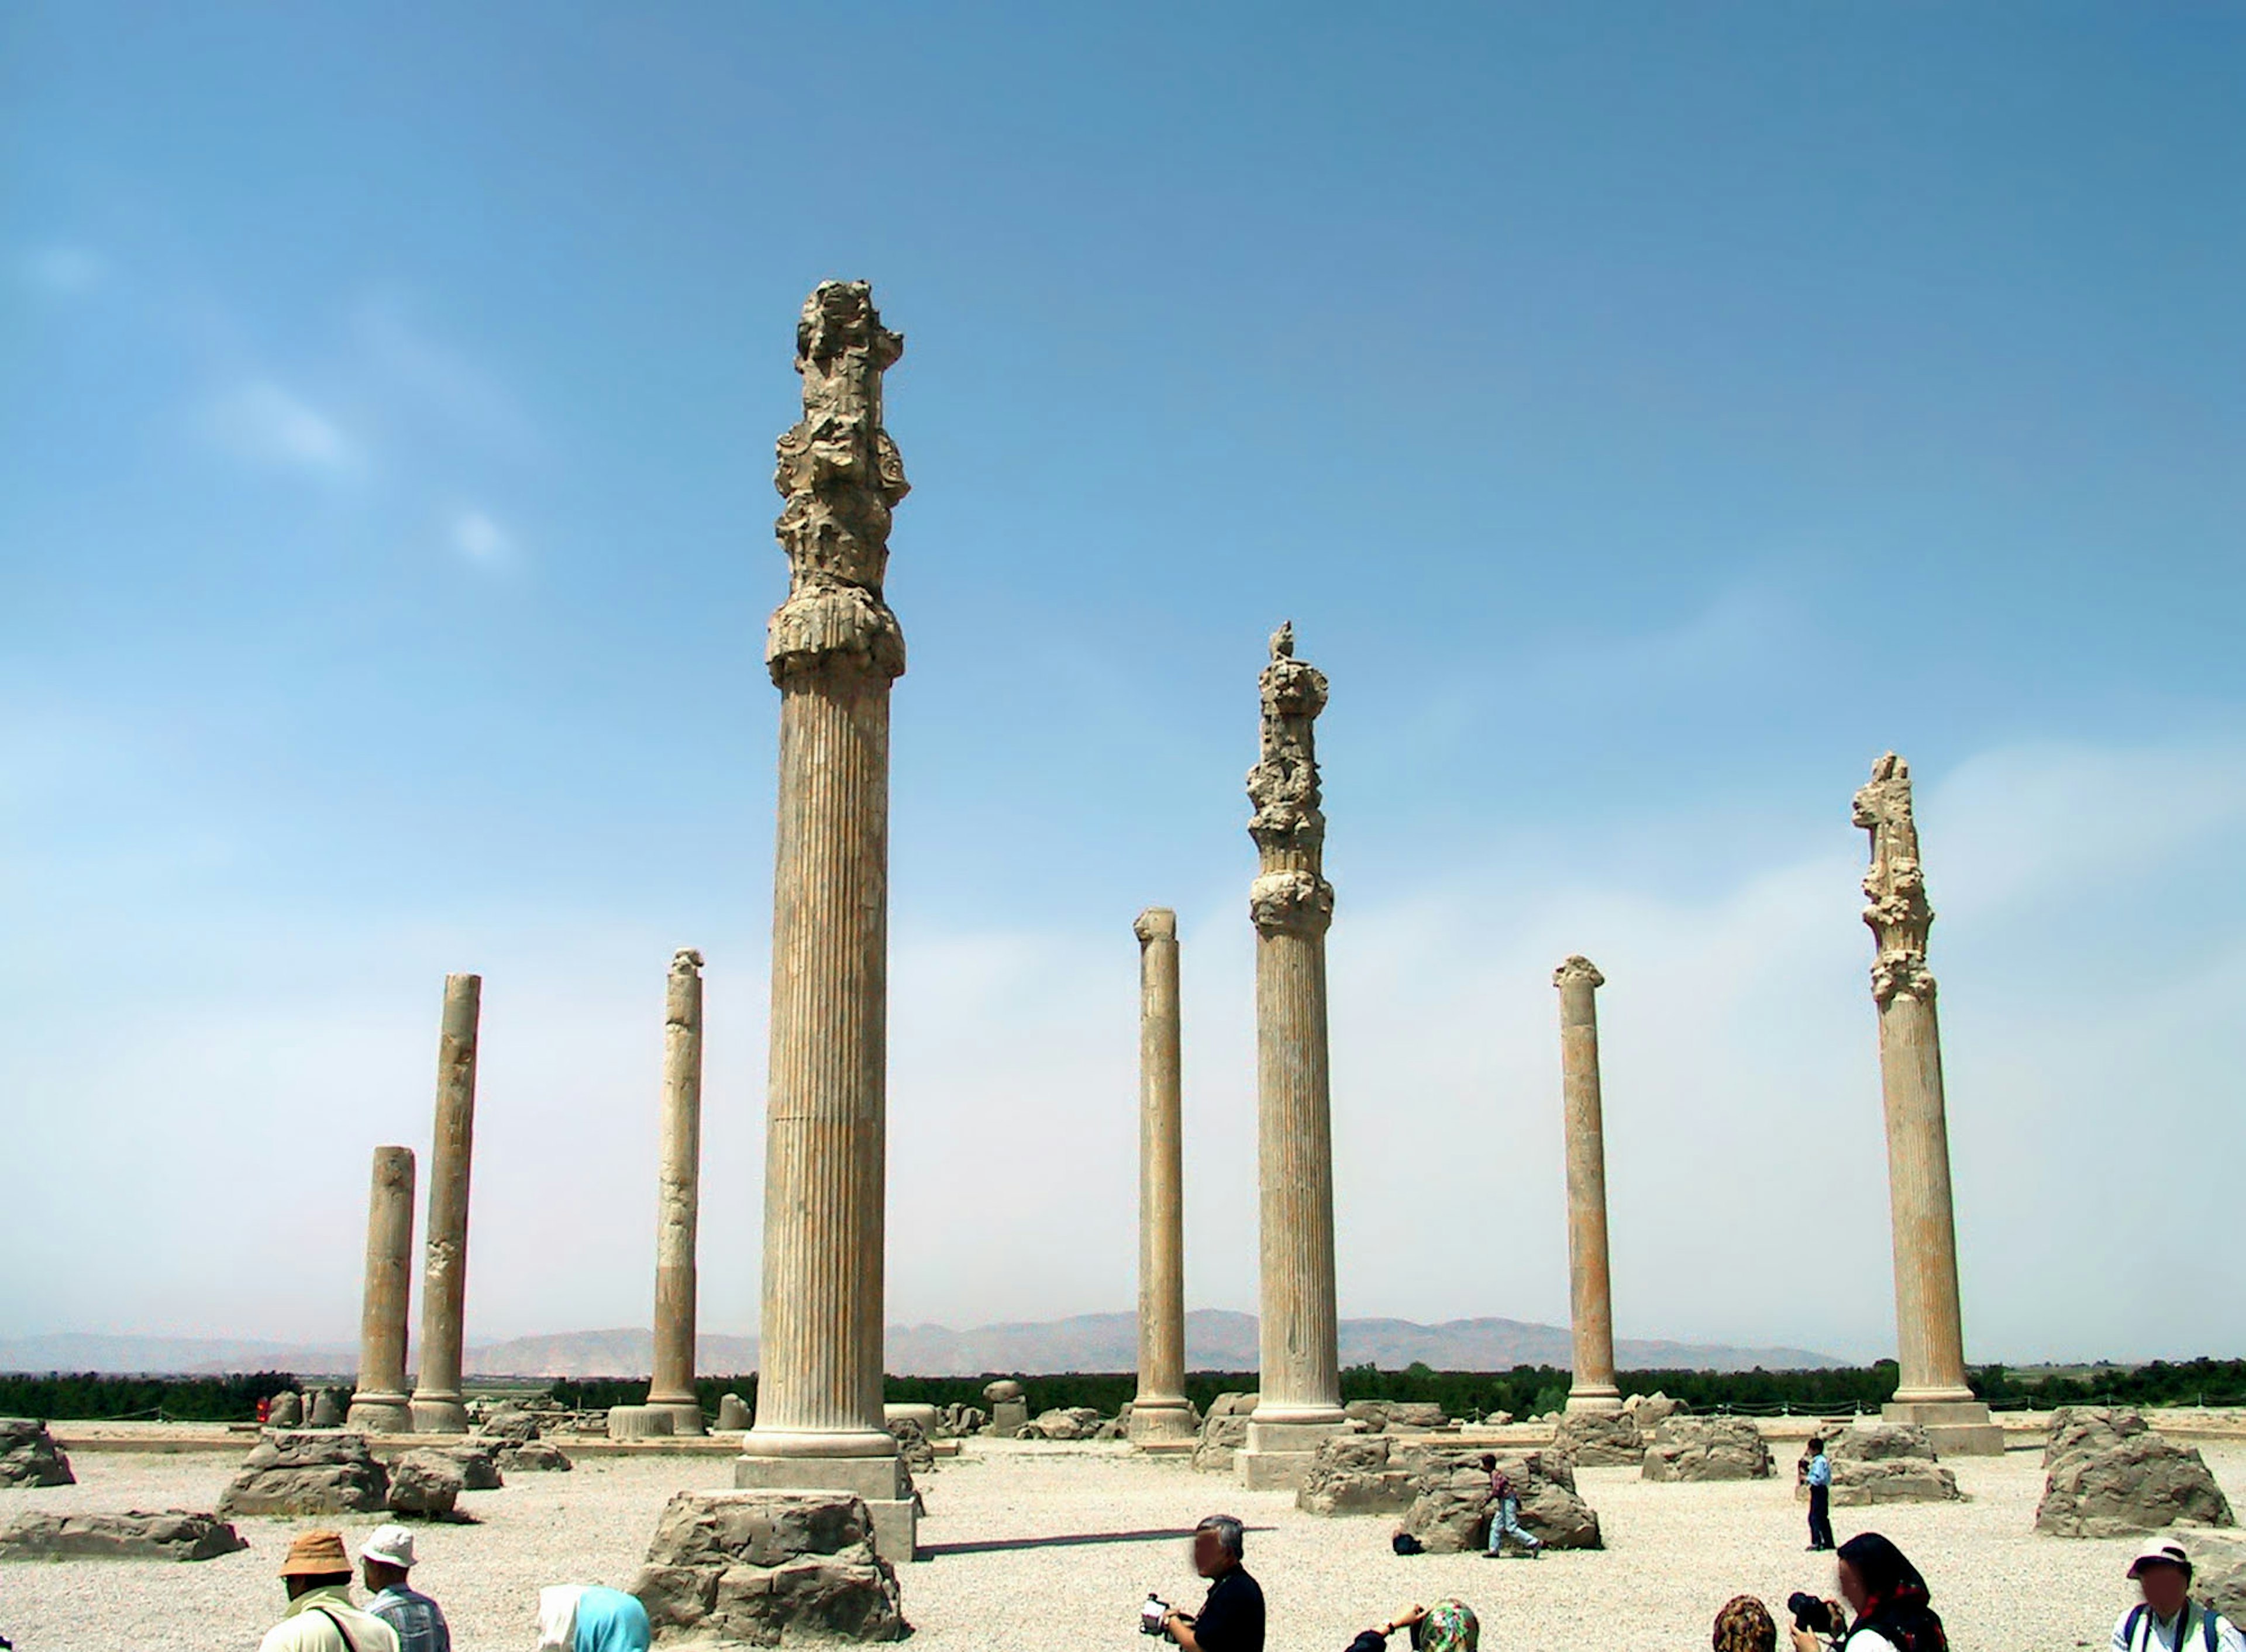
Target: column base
[1161, 1422]
[380, 1414]
[880, 1482]
[640, 1421]
[1277, 1455]
[685, 1414]
[440, 1414]
[1595, 1402]
[1954, 1427]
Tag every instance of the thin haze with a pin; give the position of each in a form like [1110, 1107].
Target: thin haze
[1647, 416]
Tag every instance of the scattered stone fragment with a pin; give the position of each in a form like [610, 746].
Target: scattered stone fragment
[732, 1414]
[767, 1569]
[1600, 1439]
[326, 1412]
[426, 1483]
[29, 1455]
[913, 1444]
[1010, 1411]
[292, 1472]
[2108, 1474]
[1450, 1509]
[507, 1423]
[1223, 1433]
[960, 1421]
[284, 1410]
[479, 1469]
[1653, 1409]
[534, 1456]
[1886, 1463]
[174, 1534]
[1707, 1448]
[1353, 1474]
[1075, 1423]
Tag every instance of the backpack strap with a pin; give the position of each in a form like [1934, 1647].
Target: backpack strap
[2207, 1622]
[338, 1622]
[2129, 1626]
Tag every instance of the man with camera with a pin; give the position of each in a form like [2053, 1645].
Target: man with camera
[1231, 1618]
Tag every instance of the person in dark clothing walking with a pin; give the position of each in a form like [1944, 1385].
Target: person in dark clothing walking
[1231, 1618]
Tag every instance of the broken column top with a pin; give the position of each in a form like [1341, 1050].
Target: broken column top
[1578, 969]
[1156, 923]
[686, 961]
[1895, 888]
[840, 475]
[1283, 784]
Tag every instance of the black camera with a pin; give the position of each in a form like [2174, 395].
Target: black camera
[1151, 1613]
[1811, 1613]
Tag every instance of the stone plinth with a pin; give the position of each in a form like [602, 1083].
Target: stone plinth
[767, 1569]
[1592, 1391]
[833, 648]
[380, 1405]
[437, 1405]
[679, 1195]
[1159, 1412]
[1291, 906]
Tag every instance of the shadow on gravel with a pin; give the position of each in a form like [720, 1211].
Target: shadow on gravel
[1060, 1540]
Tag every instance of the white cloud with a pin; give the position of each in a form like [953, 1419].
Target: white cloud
[260, 421]
[64, 271]
[479, 539]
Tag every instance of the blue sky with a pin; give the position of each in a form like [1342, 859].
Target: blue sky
[1646, 419]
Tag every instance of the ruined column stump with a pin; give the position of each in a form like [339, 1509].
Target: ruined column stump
[379, 1404]
[1161, 1416]
[1591, 1390]
[1930, 1320]
[438, 1408]
[1292, 905]
[833, 649]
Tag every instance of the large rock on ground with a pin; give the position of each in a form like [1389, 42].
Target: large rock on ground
[426, 1482]
[29, 1455]
[290, 1471]
[534, 1456]
[764, 1569]
[1075, 1423]
[479, 1468]
[284, 1410]
[1353, 1474]
[2218, 1574]
[174, 1534]
[1707, 1448]
[1223, 1433]
[323, 1410]
[2106, 1474]
[913, 1444]
[1652, 1410]
[1886, 1463]
[732, 1414]
[1395, 1415]
[1596, 1439]
[508, 1425]
[958, 1421]
[1451, 1505]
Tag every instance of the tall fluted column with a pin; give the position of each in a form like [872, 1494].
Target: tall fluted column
[833, 649]
[1160, 1412]
[1591, 1387]
[1929, 1323]
[678, 1196]
[437, 1404]
[378, 1403]
[1292, 905]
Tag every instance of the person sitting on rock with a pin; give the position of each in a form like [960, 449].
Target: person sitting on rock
[1447, 1625]
[1889, 1600]
[321, 1618]
[384, 1560]
[2169, 1620]
[578, 1617]
[1745, 1625]
[1505, 1513]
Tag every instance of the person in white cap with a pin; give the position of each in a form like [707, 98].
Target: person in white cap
[2169, 1620]
[384, 1558]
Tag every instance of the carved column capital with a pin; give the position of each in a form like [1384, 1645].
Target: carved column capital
[1896, 909]
[1578, 970]
[1290, 902]
[1283, 784]
[840, 475]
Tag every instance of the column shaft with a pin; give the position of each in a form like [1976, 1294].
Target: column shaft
[437, 1403]
[678, 1196]
[1160, 1411]
[1930, 1322]
[379, 1404]
[1591, 1306]
[1300, 1332]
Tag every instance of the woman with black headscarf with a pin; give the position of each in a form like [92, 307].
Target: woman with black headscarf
[1887, 1599]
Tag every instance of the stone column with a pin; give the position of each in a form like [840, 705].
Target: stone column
[1160, 1412]
[437, 1405]
[833, 649]
[1929, 1324]
[1292, 905]
[378, 1404]
[1592, 1385]
[678, 1197]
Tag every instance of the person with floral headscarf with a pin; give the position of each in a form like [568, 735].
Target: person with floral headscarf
[1745, 1625]
[1447, 1625]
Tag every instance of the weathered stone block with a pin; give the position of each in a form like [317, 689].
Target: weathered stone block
[1600, 1439]
[479, 1469]
[29, 1455]
[2106, 1474]
[535, 1456]
[1353, 1474]
[1451, 1505]
[426, 1483]
[732, 1414]
[1223, 1433]
[173, 1535]
[1707, 1448]
[762, 1568]
[291, 1471]
[1886, 1463]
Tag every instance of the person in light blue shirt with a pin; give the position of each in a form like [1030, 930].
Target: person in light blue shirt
[384, 1560]
[1818, 1477]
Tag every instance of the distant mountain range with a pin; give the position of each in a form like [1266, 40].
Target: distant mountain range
[1215, 1339]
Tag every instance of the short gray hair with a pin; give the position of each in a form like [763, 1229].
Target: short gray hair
[1229, 1532]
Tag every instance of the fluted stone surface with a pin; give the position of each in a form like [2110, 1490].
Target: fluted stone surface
[833, 649]
[678, 1196]
[437, 1405]
[1592, 1388]
[1292, 905]
[379, 1404]
[1930, 1322]
[1160, 1412]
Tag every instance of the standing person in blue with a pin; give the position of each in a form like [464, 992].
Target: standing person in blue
[1505, 1513]
[1231, 1619]
[1818, 1477]
[383, 1561]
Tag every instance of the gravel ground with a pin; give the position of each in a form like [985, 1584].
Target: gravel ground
[1053, 1546]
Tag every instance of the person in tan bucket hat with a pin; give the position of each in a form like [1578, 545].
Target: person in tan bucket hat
[321, 1617]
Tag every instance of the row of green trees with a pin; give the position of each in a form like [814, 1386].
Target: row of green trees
[1525, 1390]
